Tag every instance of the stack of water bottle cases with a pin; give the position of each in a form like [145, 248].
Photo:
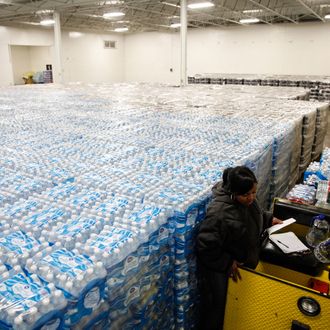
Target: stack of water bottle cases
[101, 197]
[315, 189]
[319, 86]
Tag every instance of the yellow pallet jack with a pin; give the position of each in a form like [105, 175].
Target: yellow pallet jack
[278, 295]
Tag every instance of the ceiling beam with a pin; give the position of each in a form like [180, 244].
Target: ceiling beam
[273, 11]
[245, 15]
[204, 22]
[140, 22]
[213, 16]
[311, 10]
[158, 12]
[149, 11]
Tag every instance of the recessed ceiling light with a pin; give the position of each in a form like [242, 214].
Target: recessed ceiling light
[175, 25]
[249, 20]
[113, 14]
[199, 5]
[46, 22]
[123, 29]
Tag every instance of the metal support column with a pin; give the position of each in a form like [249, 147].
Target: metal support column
[183, 37]
[58, 77]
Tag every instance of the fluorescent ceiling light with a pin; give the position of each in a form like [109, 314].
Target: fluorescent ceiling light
[249, 20]
[44, 11]
[252, 11]
[90, 15]
[114, 2]
[31, 23]
[113, 14]
[199, 5]
[175, 25]
[170, 4]
[327, 16]
[47, 22]
[123, 29]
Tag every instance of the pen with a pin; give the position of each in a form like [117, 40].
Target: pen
[283, 244]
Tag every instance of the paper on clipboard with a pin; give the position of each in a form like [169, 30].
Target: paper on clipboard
[279, 226]
[288, 242]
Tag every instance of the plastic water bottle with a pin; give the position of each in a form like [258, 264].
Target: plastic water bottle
[16, 247]
[32, 295]
[319, 230]
[322, 251]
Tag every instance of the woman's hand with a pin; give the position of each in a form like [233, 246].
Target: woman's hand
[234, 271]
[276, 221]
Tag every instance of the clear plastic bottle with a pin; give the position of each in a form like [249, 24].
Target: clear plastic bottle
[318, 231]
[322, 251]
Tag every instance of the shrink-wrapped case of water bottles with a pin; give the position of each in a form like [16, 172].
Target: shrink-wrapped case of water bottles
[80, 278]
[29, 303]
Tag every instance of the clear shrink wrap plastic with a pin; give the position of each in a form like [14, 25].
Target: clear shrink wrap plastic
[16, 247]
[29, 303]
[82, 279]
[321, 126]
[117, 184]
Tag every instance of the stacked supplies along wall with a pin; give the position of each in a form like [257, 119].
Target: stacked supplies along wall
[319, 86]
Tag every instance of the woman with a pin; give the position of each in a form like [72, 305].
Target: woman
[229, 236]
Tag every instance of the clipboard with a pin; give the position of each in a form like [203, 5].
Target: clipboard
[288, 242]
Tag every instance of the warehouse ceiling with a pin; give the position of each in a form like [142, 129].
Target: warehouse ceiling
[154, 15]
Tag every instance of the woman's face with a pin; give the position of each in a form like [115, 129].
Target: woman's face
[248, 198]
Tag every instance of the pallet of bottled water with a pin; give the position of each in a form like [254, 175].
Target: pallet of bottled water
[101, 196]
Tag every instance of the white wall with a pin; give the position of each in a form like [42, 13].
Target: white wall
[39, 57]
[19, 37]
[277, 49]
[6, 73]
[20, 58]
[150, 56]
[84, 59]
[302, 49]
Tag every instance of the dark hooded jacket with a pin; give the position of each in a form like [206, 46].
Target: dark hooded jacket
[230, 231]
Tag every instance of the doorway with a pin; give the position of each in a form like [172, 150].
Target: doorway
[29, 60]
